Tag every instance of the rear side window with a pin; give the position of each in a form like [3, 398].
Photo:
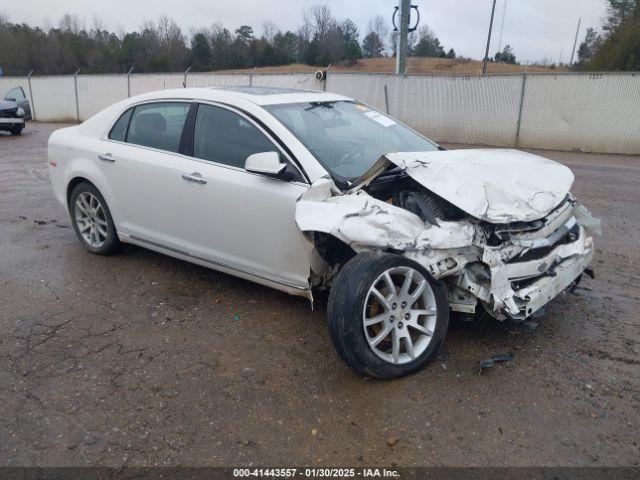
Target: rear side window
[158, 125]
[119, 130]
[225, 137]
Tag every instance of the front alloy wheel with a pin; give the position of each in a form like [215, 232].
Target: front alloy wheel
[387, 315]
[399, 316]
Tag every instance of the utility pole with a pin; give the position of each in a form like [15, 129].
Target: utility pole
[401, 48]
[486, 54]
[575, 42]
[504, 14]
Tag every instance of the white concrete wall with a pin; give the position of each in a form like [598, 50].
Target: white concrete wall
[447, 109]
[96, 92]
[54, 98]
[588, 112]
[592, 113]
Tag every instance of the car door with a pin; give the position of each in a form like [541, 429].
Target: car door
[239, 219]
[140, 160]
[17, 95]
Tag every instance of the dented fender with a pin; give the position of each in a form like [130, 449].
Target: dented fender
[366, 223]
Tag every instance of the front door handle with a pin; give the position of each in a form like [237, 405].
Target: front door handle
[194, 177]
[106, 157]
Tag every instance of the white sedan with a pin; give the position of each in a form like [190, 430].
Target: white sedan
[302, 190]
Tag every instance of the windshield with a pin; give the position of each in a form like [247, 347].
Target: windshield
[345, 136]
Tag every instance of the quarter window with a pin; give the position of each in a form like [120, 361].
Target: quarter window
[119, 130]
[158, 125]
[225, 137]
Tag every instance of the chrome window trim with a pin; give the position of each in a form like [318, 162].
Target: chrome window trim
[105, 138]
[105, 134]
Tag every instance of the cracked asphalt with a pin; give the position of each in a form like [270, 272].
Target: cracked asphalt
[140, 359]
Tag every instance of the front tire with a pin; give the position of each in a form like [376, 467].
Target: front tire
[17, 129]
[92, 220]
[387, 316]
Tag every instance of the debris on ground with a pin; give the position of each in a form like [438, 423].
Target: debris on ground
[491, 361]
[391, 441]
[529, 326]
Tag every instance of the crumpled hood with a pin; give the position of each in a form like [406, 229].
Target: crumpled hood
[495, 185]
[7, 105]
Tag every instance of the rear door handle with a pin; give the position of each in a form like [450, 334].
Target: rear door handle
[194, 177]
[106, 157]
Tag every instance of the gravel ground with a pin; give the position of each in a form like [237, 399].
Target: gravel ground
[140, 359]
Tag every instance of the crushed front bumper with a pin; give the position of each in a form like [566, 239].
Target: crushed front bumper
[563, 269]
[515, 279]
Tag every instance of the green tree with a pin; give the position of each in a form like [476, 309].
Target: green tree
[588, 47]
[619, 49]
[351, 46]
[372, 46]
[428, 44]
[200, 52]
[506, 55]
[618, 11]
[284, 48]
[244, 34]
[220, 41]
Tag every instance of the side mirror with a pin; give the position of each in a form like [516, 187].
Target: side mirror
[267, 163]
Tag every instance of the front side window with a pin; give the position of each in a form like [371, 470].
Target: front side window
[15, 94]
[345, 136]
[225, 137]
[158, 125]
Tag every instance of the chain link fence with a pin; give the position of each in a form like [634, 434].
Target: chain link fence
[587, 112]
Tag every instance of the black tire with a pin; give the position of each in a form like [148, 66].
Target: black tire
[345, 315]
[112, 244]
[16, 129]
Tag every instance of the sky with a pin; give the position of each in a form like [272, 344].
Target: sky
[536, 29]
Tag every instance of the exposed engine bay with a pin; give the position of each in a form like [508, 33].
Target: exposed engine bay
[508, 249]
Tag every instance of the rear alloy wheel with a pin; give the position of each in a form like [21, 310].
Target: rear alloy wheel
[387, 315]
[92, 220]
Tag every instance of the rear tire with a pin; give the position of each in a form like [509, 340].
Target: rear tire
[391, 332]
[92, 220]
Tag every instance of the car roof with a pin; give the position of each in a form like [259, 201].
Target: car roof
[258, 95]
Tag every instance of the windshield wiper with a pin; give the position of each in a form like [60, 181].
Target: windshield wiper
[327, 104]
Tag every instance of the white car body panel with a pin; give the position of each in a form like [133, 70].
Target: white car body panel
[262, 228]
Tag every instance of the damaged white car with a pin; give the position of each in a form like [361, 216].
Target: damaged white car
[303, 190]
